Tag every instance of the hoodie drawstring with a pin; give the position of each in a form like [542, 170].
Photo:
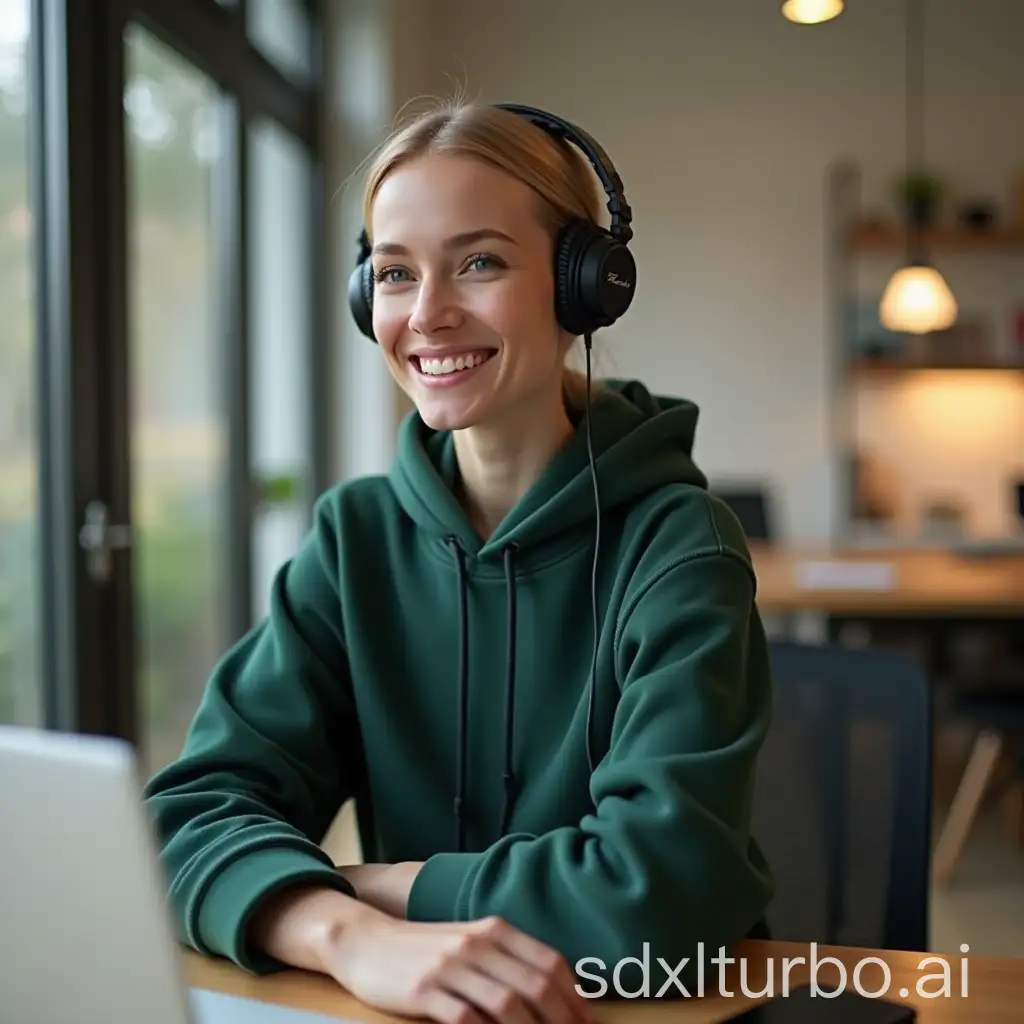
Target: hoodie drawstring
[508, 777]
[510, 686]
[463, 697]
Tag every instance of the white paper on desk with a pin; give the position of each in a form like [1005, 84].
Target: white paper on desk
[846, 575]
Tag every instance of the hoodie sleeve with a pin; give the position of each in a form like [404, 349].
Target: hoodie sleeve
[666, 862]
[268, 761]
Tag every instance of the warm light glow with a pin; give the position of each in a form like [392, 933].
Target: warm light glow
[812, 12]
[918, 300]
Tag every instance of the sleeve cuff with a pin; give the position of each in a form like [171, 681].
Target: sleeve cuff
[441, 889]
[242, 886]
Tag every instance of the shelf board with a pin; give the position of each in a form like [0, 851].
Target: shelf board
[870, 367]
[893, 238]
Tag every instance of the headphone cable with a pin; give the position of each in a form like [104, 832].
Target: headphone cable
[597, 547]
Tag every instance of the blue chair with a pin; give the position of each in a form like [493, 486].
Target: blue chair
[842, 804]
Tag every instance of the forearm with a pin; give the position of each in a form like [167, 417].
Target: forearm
[298, 926]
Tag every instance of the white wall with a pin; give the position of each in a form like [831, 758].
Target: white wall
[723, 119]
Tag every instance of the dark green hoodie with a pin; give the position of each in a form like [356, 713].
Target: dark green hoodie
[443, 682]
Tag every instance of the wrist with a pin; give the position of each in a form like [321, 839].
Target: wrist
[299, 926]
[332, 924]
[335, 947]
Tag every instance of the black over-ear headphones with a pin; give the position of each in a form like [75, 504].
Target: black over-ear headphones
[595, 273]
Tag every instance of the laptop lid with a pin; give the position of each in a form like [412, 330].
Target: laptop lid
[85, 933]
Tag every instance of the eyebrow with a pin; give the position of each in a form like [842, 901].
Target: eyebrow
[455, 242]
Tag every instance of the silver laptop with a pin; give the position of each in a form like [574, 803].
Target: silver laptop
[85, 931]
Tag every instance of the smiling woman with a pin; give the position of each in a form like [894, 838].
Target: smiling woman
[530, 652]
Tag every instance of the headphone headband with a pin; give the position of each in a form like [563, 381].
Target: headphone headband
[621, 214]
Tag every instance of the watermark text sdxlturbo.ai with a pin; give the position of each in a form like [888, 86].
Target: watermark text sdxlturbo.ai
[870, 976]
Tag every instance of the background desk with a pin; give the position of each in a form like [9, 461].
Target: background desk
[995, 992]
[925, 583]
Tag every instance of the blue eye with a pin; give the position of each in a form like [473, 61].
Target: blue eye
[484, 261]
[382, 276]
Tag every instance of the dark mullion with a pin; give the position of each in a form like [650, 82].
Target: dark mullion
[50, 187]
[123, 704]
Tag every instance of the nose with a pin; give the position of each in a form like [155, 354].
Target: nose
[434, 309]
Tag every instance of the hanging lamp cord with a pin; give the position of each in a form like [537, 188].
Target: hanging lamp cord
[914, 100]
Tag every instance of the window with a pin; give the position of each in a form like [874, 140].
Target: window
[21, 688]
[179, 422]
[160, 212]
[280, 355]
[281, 31]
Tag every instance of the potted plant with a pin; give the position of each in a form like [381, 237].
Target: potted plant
[918, 193]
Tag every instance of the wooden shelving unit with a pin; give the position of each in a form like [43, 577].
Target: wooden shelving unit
[868, 367]
[889, 238]
[854, 244]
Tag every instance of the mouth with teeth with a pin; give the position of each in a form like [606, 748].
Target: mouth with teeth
[449, 369]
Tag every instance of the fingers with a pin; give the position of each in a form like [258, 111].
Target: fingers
[442, 1006]
[498, 1001]
[546, 960]
[539, 990]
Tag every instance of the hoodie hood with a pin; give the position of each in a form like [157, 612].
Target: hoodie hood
[641, 443]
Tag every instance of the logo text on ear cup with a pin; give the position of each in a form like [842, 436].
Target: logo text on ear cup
[613, 278]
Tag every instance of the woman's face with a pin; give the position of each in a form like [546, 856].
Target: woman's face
[463, 303]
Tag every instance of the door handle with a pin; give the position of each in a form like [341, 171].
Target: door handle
[99, 539]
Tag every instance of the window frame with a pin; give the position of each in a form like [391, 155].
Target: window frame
[79, 191]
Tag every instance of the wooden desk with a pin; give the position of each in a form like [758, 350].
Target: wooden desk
[924, 583]
[995, 987]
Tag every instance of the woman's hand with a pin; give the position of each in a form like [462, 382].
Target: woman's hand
[384, 886]
[475, 972]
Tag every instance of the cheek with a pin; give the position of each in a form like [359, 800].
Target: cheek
[390, 320]
[517, 309]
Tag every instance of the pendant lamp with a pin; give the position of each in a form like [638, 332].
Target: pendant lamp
[917, 299]
[812, 12]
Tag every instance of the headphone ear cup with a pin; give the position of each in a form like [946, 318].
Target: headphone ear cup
[360, 297]
[572, 241]
[595, 278]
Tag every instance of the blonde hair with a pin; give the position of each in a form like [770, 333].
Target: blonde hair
[559, 175]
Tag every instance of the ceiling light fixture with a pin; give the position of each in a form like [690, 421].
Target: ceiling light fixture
[812, 12]
[917, 299]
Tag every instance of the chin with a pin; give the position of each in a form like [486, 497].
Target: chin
[440, 413]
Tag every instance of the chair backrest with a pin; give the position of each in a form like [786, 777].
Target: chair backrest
[843, 798]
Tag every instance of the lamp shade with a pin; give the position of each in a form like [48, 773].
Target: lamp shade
[812, 12]
[917, 300]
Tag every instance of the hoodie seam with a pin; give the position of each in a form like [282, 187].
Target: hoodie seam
[720, 550]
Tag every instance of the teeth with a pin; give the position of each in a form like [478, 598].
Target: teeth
[439, 367]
